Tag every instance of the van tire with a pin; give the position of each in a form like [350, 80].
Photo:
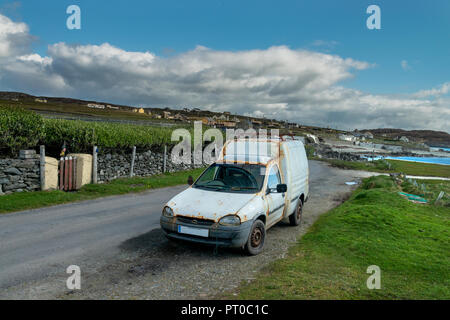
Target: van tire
[297, 217]
[256, 238]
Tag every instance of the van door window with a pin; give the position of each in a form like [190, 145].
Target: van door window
[273, 178]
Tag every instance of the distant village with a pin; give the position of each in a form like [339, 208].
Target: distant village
[227, 120]
[213, 119]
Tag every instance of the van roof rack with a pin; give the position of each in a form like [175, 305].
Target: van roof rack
[282, 137]
[285, 135]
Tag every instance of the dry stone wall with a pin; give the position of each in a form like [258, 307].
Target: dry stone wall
[19, 175]
[113, 166]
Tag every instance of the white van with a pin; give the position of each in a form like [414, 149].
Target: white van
[254, 184]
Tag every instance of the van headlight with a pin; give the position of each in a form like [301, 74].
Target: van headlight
[167, 212]
[231, 220]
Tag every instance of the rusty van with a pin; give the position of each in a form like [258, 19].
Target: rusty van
[254, 184]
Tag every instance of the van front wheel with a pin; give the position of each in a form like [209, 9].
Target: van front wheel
[296, 218]
[256, 238]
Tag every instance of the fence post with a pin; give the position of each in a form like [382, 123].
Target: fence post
[165, 159]
[94, 165]
[42, 167]
[66, 174]
[74, 173]
[61, 174]
[133, 157]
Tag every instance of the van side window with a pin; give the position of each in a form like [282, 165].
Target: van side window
[274, 178]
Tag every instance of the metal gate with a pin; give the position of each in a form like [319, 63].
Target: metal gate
[68, 173]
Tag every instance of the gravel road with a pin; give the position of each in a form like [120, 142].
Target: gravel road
[123, 254]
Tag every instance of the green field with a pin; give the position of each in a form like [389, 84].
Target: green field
[376, 226]
[421, 169]
[391, 166]
[33, 200]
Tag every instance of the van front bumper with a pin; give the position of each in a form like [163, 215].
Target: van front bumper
[223, 236]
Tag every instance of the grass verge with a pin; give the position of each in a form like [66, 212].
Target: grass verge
[389, 166]
[33, 200]
[376, 226]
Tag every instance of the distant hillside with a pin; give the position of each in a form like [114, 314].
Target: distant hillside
[79, 108]
[6, 95]
[430, 137]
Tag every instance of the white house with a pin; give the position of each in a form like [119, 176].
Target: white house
[347, 137]
[96, 106]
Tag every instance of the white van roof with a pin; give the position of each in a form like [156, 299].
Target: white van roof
[252, 150]
[245, 158]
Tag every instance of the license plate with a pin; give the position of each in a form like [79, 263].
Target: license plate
[193, 231]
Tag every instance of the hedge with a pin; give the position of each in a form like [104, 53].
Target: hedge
[19, 129]
[23, 129]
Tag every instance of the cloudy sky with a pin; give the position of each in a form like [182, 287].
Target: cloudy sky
[313, 62]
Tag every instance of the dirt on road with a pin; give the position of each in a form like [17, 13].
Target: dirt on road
[148, 266]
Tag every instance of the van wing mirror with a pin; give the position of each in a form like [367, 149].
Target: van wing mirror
[281, 188]
[190, 181]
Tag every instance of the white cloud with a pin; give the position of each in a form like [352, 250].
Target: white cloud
[405, 66]
[435, 92]
[279, 82]
[325, 44]
[14, 37]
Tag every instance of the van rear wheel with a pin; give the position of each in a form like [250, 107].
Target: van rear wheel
[296, 218]
[256, 238]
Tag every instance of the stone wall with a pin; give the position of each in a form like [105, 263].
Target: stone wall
[113, 166]
[18, 175]
[323, 151]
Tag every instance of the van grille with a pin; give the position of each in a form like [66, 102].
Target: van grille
[195, 221]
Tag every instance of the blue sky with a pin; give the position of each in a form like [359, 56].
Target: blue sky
[413, 33]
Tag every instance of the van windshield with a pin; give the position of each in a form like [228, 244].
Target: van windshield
[247, 178]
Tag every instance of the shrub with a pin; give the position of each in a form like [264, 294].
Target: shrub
[378, 182]
[309, 151]
[19, 129]
[81, 136]
[384, 165]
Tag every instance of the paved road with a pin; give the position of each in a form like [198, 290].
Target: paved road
[38, 244]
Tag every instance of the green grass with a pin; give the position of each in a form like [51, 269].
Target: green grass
[429, 189]
[390, 166]
[309, 151]
[421, 169]
[376, 226]
[33, 200]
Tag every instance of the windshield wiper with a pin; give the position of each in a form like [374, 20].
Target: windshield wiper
[210, 187]
[244, 188]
